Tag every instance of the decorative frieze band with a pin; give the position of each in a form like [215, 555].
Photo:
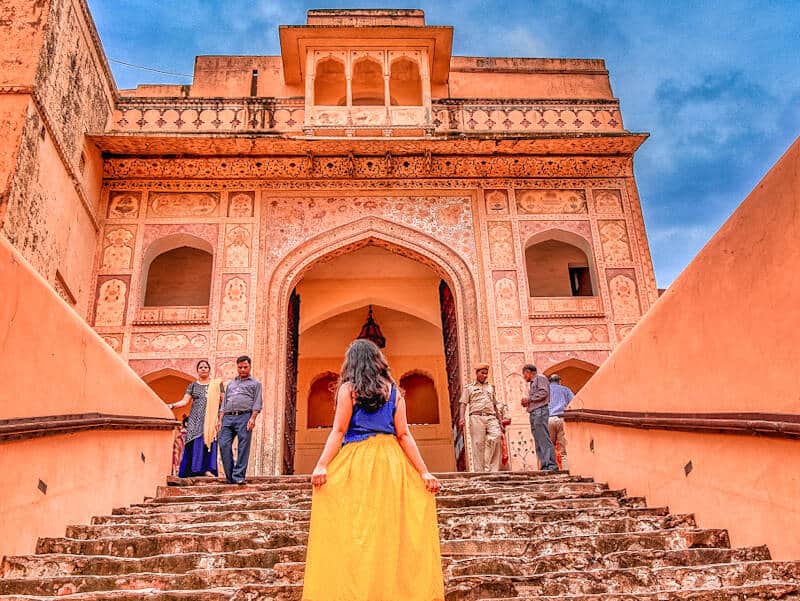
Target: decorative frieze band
[367, 167]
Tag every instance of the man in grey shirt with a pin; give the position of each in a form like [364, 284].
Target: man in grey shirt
[237, 418]
[536, 402]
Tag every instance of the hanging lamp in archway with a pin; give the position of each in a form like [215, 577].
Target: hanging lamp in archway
[372, 331]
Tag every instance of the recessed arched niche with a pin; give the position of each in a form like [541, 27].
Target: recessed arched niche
[559, 264]
[177, 271]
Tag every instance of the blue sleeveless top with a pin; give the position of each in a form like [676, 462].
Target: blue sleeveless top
[364, 424]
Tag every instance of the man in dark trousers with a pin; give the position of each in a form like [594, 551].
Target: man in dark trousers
[237, 418]
[536, 402]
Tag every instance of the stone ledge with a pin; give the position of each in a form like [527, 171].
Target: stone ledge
[51, 425]
[775, 425]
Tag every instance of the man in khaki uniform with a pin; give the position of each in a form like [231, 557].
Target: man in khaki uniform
[479, 405]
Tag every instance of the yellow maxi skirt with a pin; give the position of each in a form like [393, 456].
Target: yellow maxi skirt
[374, 534]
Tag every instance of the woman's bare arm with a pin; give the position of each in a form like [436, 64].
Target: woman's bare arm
[341, 420]
[182, 403]
[409, 445]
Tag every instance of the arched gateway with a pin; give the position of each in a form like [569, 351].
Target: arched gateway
[274, 448]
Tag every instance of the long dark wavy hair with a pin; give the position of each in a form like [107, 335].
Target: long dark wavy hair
[367, 371]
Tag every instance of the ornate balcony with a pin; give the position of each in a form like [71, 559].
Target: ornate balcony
[290, 116]
[151, 316]
[565, 306]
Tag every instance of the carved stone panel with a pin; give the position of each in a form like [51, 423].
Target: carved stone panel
[183, 204]
[226, 369]
[240, 204]
[623, 331]
[124, 205]
[534, 202]
[232, 341]
[118, 248]
[510, 338]
[235, 299]
[111, 300]
[114, 341]
[169, 342]
[624, 295]
[172, 315]
[501, 247]
[614, 240]
[496, 202]
[547, 359]
[506, 296]
[529, 228]
[204, 231]
[547, 335]
[237, 246]
[185, 365]
[514, 385]
[607, 201]
[291, 221]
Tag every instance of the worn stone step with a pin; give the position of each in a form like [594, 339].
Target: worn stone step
[82, 532]
[173, 543]
[219, 594]
[778, 591]
[449, 476]
[50, 565]
[192, 580]
[464, 527]
[252, 536]
[452, 497]
[145, 508]
[198, 517]
[503, 524]
[448, 487]
[525, 515]
[600, 544]
[630, 580]
[521, 514]
[607, 499]
[587, 560]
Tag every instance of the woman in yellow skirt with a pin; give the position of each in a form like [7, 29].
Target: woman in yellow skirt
[374, 534]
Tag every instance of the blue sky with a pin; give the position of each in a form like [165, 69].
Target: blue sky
[716, 83]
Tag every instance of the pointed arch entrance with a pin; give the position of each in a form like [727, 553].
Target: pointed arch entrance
[464, 336]
[574, 373]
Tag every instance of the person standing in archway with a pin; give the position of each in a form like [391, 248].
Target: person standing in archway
[374, 533]
[200, 448]
[536, 402]
[237, 418]
[479, 404]
[560, 398]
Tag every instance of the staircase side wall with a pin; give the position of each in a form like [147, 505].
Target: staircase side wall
[52, 364]
[55, 88]
[724, 338]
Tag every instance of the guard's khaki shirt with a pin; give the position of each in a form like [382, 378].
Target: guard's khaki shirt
[480, 397]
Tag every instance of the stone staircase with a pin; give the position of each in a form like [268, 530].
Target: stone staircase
[510, 536]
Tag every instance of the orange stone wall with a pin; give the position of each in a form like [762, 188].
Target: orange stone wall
[266, 228]
[722, 338]
[54, 88]
[55, 365]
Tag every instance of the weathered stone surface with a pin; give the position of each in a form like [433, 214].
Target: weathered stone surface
[200, 539]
